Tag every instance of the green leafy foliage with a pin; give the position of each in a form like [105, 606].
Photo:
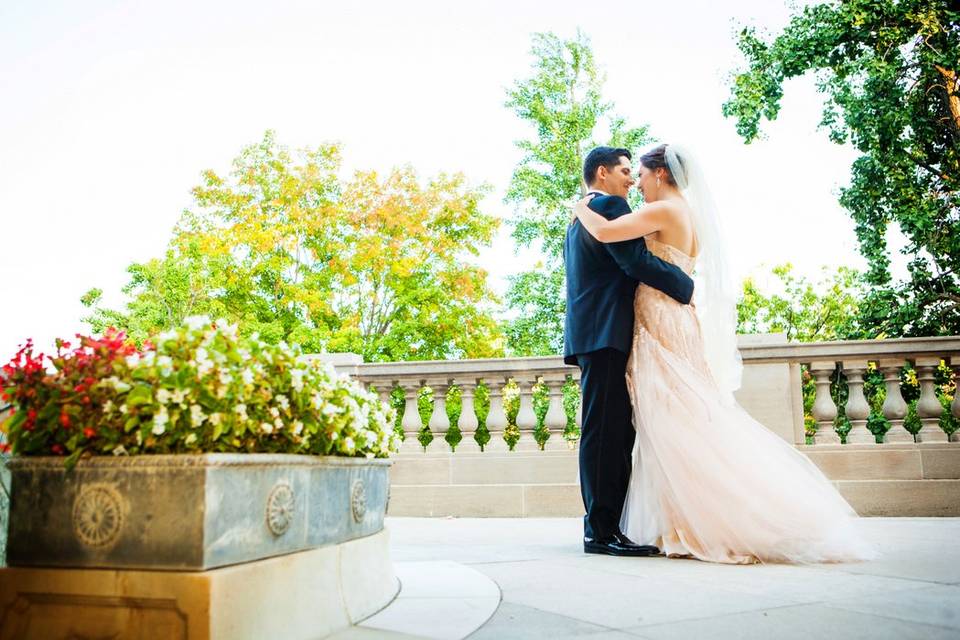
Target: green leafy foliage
[454, 406]
[571, 407]
[511, 408]
[541, 405]
[425, 410]
[889, 71]
[481, 408]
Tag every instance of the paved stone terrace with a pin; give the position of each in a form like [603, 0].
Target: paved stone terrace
[550, 589]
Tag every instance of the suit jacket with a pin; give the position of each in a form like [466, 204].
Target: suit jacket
[602, 280]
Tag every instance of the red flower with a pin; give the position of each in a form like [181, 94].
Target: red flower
[79, 388]
[85, 399]
[4, 447]
[31, 415]
[89, 432]
[57, 449]
[65, 420]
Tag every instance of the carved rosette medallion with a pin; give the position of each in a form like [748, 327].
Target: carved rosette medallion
[358, 500]
[97, 515]
[280, 505]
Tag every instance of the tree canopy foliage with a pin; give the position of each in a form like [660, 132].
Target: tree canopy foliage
[377, 265]
[805, 311]
[889, 71]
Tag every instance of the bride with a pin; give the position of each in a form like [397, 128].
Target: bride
[708, 480]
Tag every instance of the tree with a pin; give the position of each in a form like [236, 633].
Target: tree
[805, 311]
[562, 100]
[889, 72]
[378, 266]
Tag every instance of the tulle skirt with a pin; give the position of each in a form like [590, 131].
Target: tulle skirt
[710, 482]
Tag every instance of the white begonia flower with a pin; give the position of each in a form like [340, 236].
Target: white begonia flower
[330, 409]
[163, 396]
[221, 393]
[108, 407]
[241, 410]
[216, 418]
[224, 377]
[296, 427]
[190, 439]
[165, 336]
[149, 358]
[274, 412]
[166, 365]
[133, 360]
[204, 363]
[266, 427]
[123, 409]
[178, 396]
[348, 445]
[316, 401]
[247, 376]
[282, 401]
[296, 379]
[160, 421]
[195, 323]
[369, 437]
[278, 423]
[197, 416]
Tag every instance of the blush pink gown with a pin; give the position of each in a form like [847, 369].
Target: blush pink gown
[709, 481]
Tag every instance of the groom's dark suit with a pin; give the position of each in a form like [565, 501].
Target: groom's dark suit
[598, 332]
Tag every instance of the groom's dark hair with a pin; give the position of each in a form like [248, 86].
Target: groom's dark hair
[608, 157]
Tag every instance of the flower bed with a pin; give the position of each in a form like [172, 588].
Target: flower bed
[199, 388]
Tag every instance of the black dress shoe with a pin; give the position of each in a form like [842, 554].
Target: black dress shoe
[613, 547]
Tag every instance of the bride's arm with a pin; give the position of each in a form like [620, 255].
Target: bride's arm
[646, 219]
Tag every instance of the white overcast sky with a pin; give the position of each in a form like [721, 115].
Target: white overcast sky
[111, 110]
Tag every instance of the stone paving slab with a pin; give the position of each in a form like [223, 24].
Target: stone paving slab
[552, 590]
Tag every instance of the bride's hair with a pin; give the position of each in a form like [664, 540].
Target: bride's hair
[656, 158]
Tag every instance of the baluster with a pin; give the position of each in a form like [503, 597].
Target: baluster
[894, 408]
[526, 419]
[438, 419]
[497, 420]
[857, 409]
[824, 410]
[556, 419]
[468, 417]
[928, 406]
[411, 417]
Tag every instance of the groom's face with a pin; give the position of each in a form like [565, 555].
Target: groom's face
[618, 179]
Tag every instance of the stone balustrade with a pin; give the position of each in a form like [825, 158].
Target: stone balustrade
[772, 389]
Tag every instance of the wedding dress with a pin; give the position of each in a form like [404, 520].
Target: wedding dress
[708, 480]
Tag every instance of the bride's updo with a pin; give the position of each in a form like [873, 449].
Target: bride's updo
[656, 158]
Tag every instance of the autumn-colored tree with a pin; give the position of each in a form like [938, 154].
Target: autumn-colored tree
[377, 265]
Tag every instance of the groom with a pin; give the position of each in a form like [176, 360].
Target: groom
[601, 282]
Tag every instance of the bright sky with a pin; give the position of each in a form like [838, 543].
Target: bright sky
[112, 109]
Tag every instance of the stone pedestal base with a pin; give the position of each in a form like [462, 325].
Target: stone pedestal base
[308, 594]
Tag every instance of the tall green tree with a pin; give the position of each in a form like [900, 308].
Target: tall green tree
[562, 100]
[889, 72]
[377, 265]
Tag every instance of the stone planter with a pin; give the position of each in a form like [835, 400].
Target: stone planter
[188, 512]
